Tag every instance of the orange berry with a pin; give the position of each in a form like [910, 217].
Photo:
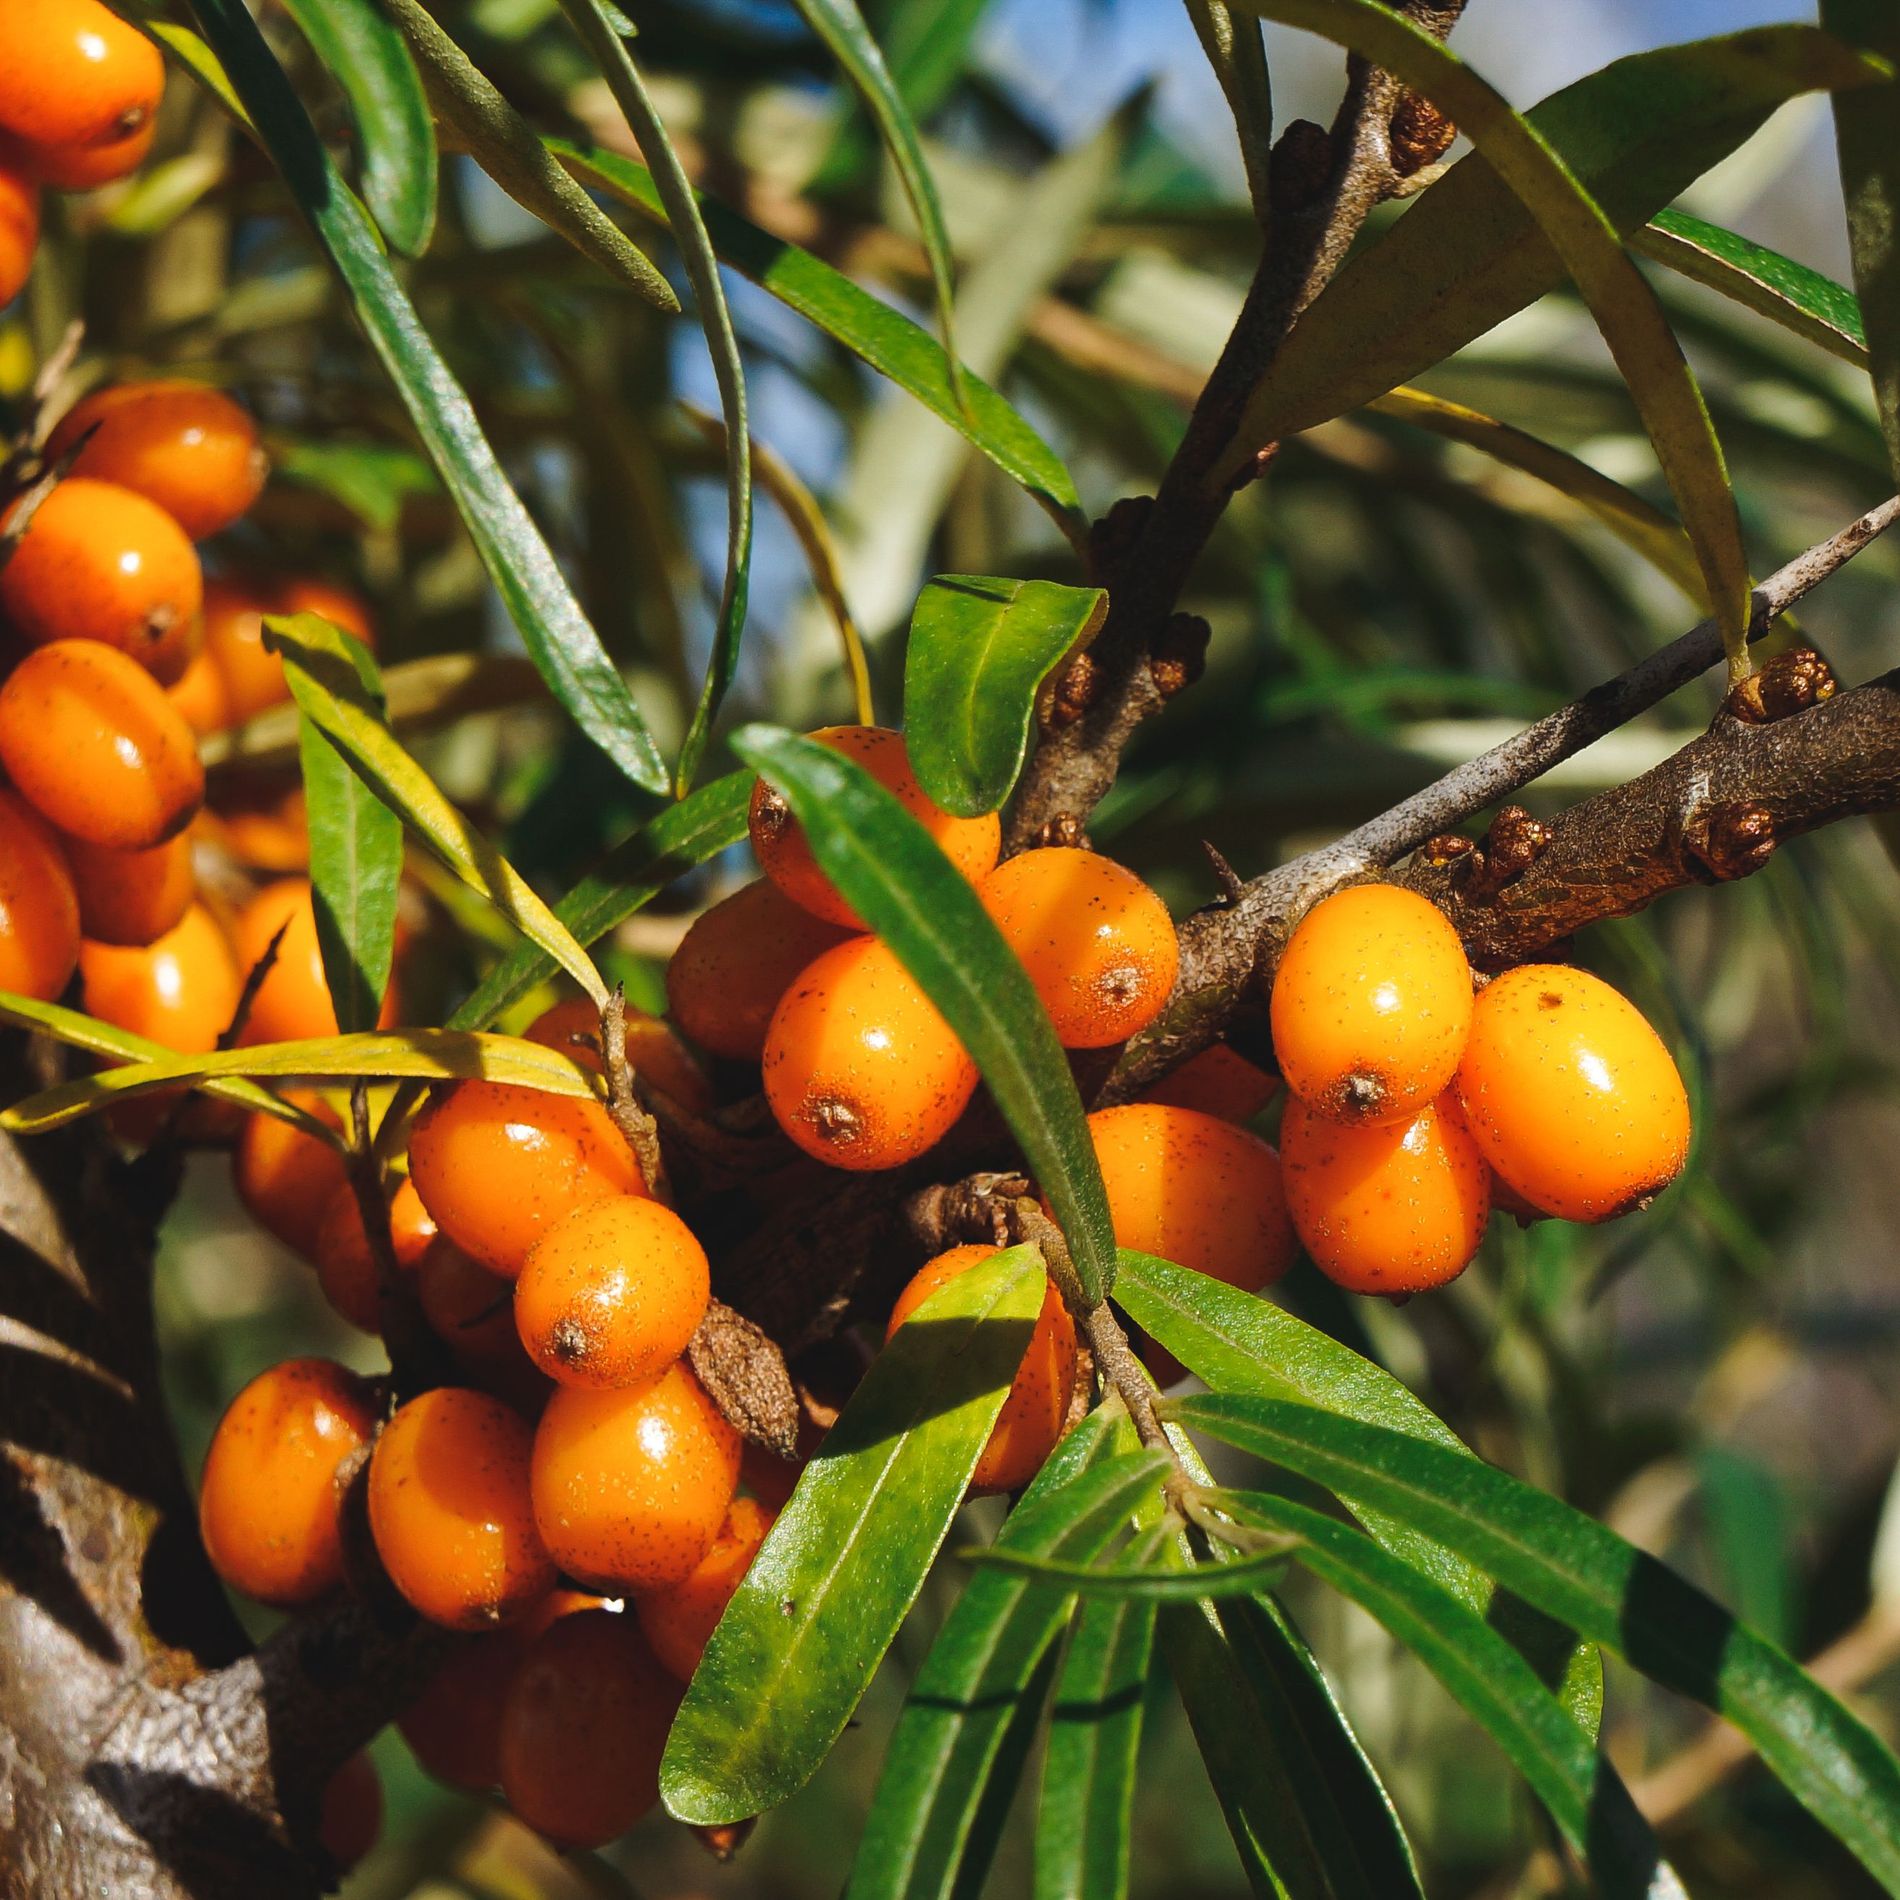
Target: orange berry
[181, 990]
[310, 594]
[860, 1070]
[99, 562]
[498, 1165]
[185, 446]
[654, 1052]
[285, 1177]
[631, 1487]
[471, 1310]
[449, 1508]
[1037, 1408]
[736, 962]
[89, 738]
[73, 73]
[611, 1294]
[39, 908]
[19, 230]
[199, 696]
[86, 167]
[583, 1729]
[1386, 1207]
[293, 1001]
[1219, 1081]
[1571, 1094]
[350, 1821]
[1371, 1005]
[270, 1499]
[269, 834]
[1097, 943]
[346, 1267]
[234, 633]
[679, 1622]
[971, 844]
[1196, 1190]
[132, 897]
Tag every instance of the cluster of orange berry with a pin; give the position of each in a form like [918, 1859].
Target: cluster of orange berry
[79, 93]
[1416, 1107]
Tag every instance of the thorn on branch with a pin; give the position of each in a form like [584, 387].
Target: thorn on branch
[1230, 881]
[1789, 683]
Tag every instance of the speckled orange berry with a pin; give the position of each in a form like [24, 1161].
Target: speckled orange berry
[350, 1820]
[679, 1622]
[181, 991]
[1389, 1207]
[73, 73]
[293, 1001]
[450, 1511]
[99, 562]
[185, 446]
[612, 1293]
[736, 962]
[583, 1729]
[971, 844]
[631, 1487]
[132, 897]
[270, 1500]
[1097, 943]
[90, 740]
[1571, 1094]
[39, 908]
[497, 1166]
[285, 1176]
[1219, 1081]
[1371, 1005]
[860, 1070]
[1037, 1408]
[346, 1266]
[654, 1053]
[19, 230]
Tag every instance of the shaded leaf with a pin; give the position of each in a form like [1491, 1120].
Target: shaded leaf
[371, 479]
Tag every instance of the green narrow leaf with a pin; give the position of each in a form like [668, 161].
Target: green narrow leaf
[1239, 1343]
[330, 693]
[977, 1678]
[1621, 299]
[702, 269]
[897, 880]
[841, 26]
[1776, 287]
[842, 1566]
[372, 480]
[564, 646]
[1574, 1569]
[884, 338]
[1467, 254]
[355, 861]
[427, 1054]
[1492, 1682]
[980, 648]
[1867, 134]
[1244, 1577]
[367, 58]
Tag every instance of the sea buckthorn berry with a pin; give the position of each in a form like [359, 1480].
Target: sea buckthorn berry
[132, 897]
[346, 1265]
[73, 73]
[86, 167]
[285, 1176]
[611, 1295]
[736, 962]
[631, 1487]
[679, 1622]
[1219, 1081]
[1037, 1407]
[1571, 1094]
[39, 908]
[293, 1001]
[89, 739]
[350, 1819]
[269, 834]
[99, 562]
[654, 1053]
[1196, 1190]
[471, 1310]
[1371, 1005]
[234, 634]
[860, 1070]
[971, 844]
[181, 991]
[1386, 1207]
[185, 446]
[270, 1500]
[498, 1165]
[1097, 943]
[583, 1729]
[19, 231]
[450, 1511]
[199, 696]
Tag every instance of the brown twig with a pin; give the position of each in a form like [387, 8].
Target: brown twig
[417, 1359]
[641, 1131]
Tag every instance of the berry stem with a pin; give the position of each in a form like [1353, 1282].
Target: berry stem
[641, 1131]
